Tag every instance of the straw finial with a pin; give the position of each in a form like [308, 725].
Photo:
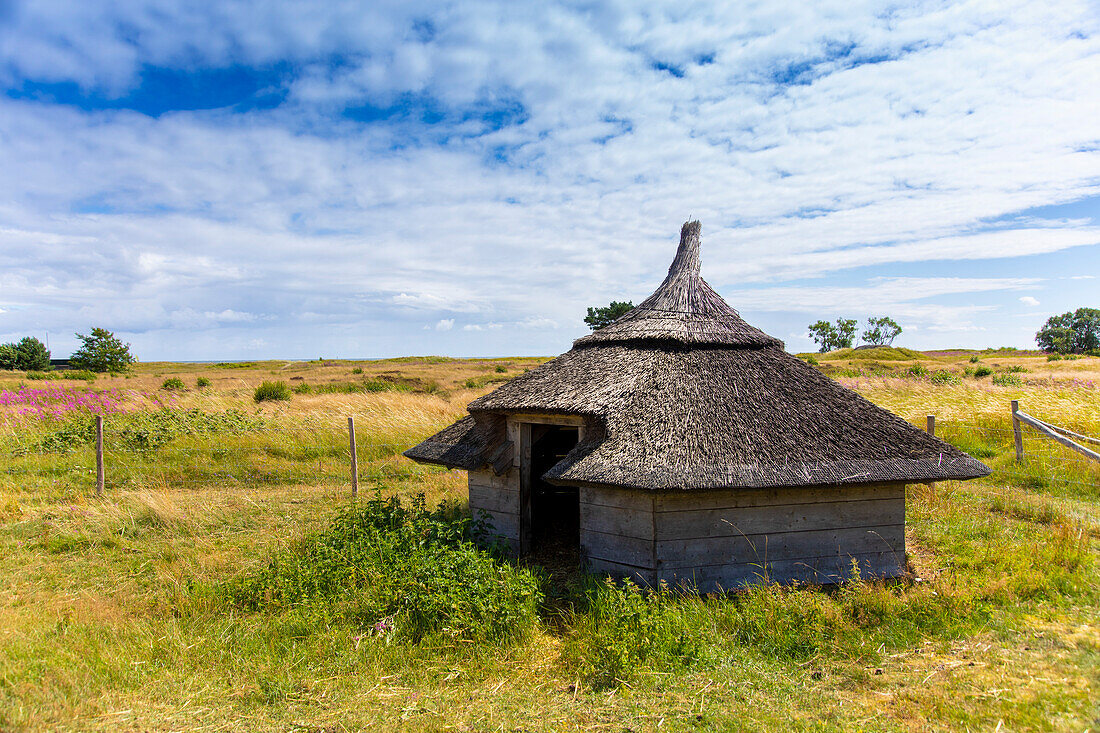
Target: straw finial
[687, 255]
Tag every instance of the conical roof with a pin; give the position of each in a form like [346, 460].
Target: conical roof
[681, 393]
[684, 309]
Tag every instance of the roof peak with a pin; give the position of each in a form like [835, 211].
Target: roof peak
[683, 308]
[686, 262]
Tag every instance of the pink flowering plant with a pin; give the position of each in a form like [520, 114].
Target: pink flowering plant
[51, 403]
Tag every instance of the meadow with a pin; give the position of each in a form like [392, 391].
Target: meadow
[225, 581]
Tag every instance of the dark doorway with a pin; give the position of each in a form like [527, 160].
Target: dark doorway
[555, 510]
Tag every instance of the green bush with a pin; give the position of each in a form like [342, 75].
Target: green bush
[625, 630]
[302, 388]
[1054, 357]
[48, 376]
[172, 384]
[917, 371]
[982, 371]
[398, 572]
[1006, 380]
[1017, 369]
[82, 374]
[202, 382]
[944, 377]
[271, 391]
[357, 370]
[500, 369]
[974, 359]
[812, 361]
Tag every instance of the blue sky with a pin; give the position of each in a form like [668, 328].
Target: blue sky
[259, 180]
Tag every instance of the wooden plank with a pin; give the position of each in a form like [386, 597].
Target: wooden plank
[496, 500]
[612, 520]
[672, 501]
[635, 499]
[524, 528]
[503, 524]
[644, 577]
[501, 460]
[780, 546]
[547, 419]
[627, 550]
[718, 578]
[509, 481]
[686, 525]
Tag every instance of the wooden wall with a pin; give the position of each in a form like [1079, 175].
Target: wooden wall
[498, 498]
[722, 539]
[617, 533]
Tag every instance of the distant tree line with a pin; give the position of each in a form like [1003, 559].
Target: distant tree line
[30, 354]
[880, 331]
[100, 351]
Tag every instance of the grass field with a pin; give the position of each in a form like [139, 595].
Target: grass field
[113, 611]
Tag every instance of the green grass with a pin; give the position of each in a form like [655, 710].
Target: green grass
[225, 581]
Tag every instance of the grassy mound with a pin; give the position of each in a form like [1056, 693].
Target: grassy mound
[399, 572]
[880, 353]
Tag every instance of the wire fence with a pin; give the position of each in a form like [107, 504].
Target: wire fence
[103, 456]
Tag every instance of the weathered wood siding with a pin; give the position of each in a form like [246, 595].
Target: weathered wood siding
[498, 498]
[717, 540]
[617, 533]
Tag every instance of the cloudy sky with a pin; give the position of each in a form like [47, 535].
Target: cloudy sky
[226, 180]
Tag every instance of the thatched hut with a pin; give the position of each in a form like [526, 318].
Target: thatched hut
[681, 444]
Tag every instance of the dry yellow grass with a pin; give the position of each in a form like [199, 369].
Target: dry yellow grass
[98, 631]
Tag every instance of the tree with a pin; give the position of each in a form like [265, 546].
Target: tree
[102, 352]
[9, 355]
[881, 331]
[31, 355]
[1075, 332]
[834, 336]
[597, 318]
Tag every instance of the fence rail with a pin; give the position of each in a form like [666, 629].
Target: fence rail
[1051, 431]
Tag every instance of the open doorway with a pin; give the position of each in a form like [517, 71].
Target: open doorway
[555, 510]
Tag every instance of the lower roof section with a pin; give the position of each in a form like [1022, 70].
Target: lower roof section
[666, 417]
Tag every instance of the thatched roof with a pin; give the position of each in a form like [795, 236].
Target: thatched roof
[681, 393]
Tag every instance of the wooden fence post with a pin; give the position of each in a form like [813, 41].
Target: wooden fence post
[354, 459]
[930, 428]
[99, 477]
[1016, 433]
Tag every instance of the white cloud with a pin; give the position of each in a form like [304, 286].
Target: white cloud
[1028, 300]
[472, 327]
[445, 324]
[537, 323]
[548, 168]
